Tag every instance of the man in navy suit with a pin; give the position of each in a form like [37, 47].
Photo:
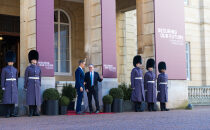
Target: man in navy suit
[79, 85]
[91, 86]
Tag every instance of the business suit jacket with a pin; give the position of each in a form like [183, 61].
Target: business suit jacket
[80, 76]
[88, 80]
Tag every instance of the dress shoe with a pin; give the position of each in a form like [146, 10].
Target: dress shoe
[36, 114]
[13, 115]
[97, 112]
[167, 109]
[80, 113]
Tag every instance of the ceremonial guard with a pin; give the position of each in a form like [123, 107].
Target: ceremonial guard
[162, 86]
[137, 84]
[9, 84]
[150, 85]
[33, 83]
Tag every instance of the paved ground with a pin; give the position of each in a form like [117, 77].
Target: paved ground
[198, 118]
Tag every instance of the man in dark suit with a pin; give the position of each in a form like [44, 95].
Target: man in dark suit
[91, 86]
[79, 85]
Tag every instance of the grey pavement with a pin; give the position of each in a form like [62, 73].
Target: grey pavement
[198, 118]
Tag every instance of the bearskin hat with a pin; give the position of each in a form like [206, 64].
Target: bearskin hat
[33, 55]
[150, 63]
[10, 56]
[136, 60]
[161, 66]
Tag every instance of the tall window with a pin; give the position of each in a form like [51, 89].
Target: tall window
[186, 2]
[188, 60]
[62, 38]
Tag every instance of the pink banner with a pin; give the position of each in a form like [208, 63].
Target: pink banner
[45, 35]
[169, 37]
[109, 60]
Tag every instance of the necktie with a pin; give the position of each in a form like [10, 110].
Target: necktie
[91, 76]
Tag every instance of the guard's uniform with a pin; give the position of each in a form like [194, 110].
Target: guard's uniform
[33, 84]
[162, 87]
[137, 84]
[150, 86]
[9, 84]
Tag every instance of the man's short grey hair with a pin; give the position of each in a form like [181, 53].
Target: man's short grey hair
[91, 65]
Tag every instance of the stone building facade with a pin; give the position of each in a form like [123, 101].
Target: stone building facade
[79, 34]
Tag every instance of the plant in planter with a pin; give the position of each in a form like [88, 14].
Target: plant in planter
[107, 100]
[64, 102]
[70, 92]
[127, 104]
[117, 94]
[51, 97]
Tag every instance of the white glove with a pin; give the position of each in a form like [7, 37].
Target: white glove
[3, 89]
[25, 89]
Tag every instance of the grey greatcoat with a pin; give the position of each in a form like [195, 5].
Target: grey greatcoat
[162, 88]
[137, 84]
[33, 85]
[150, 87]
[9, 83]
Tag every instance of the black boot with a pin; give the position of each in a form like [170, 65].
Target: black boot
[153, 107]
[139, 107]
[149, 107]
[162, 107]
[35, 111]
[136, 106]
[165, 107]
[12, 110]
[7, 114]
[31, 111]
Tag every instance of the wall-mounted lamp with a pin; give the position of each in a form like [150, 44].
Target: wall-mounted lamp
[1, 38]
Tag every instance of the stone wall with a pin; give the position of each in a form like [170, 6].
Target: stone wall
[126, 44]
[93, 38]
[197, 32]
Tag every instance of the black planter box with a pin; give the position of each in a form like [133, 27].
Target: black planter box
[51, 107]
[2, 109]
[117, 105]
[43, 107]
[107, 108]
[63, 110]
[71, 106]
[128, 106]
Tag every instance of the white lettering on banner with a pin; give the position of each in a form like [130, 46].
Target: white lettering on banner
[172, 35]
[47, 65]
[110, 68]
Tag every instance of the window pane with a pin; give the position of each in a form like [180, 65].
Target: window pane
[64, 54]
[56, 53]
[55, 66]
[64, 36]
[64, 66]
[55, 16]
[63, 18]
[55, 35]
[188, 60]
[186, 2]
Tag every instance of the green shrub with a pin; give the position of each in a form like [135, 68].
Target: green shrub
[51, 94]
[1, 94]
[69, 91]
[107, 99]
[126, 91]
[116, 93]
[64, 101]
